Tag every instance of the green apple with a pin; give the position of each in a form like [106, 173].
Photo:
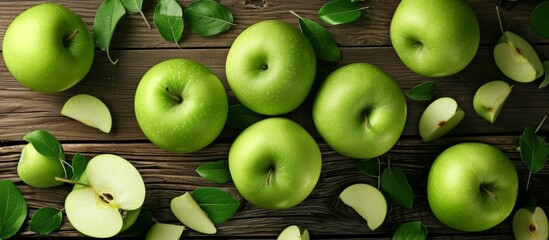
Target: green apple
[189, 213]
[164, 231]
[360, 111]
[472, 186]
[530, 225]
[435, 38]
[108, 197]
[294, 232]
[489, 99]
[271, 67]
[367, 201]
[275, 163]
[37, 170]
[439, 118]
[517, 59]
[181, 105]
[48, 48]
[89, 110]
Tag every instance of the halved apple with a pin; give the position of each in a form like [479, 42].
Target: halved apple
[367, 201]
[164, 231]
[110, 189]
[489, 99]
[189, 213]
[517, 59]
[89, 110]
[441, 116]
[294, 232]
[530, 225]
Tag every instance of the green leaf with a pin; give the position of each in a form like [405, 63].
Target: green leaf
[218, 204]
[411, 231]
[539, 19]
[324, 45]
[422, 92]
[395, 184]
[208, 18]
[106, 19]
[533, 150]
[79, 164]
[241, 117]
[168, 17]
[46, 144]
[46, 220]
[215, 171]
[13, 209]
[141, 225]
[135, 6]
[369, 167]
[546, 79]
[339, 12]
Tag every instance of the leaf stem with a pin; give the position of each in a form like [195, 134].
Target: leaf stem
[528, 182]
[378, 173]
[70, 181]
[145, 19]
[540, 124]
[499, 20]
[295, 14]
[70, 37]
[110, 59]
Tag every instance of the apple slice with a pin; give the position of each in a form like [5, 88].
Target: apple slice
[164, 231]
[109, 190]
[530, 225]
[439, 118]
[189, 213]
[89, 110]
[517, 59]
[489, 99]
[367, 201]
[294, 232]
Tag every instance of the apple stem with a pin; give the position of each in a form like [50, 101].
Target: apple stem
[70, 181]
[378, 173]
[490, 193]
[269, 174]
[70, 37]
[171, 95]
[366, 122]
[499, 20]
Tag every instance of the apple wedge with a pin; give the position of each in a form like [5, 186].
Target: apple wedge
[439, 118]
[89, 110]
[367, 201]
[164, 231]
[530, 225]
[189, 213]
[294, 232]
[490, 98]
[517, 59]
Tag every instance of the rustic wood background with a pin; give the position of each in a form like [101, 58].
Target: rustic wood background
[168, 175]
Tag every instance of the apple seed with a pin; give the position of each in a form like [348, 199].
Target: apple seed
[532, 228]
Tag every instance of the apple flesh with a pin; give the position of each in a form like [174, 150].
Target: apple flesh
[89, 110]
[517, 59]
[37, 170]
[164, 231]
[439, 118]
[490, 98]
[367, 201]
[294, 232]
[530, 225]
[189, 213]
[110, 190]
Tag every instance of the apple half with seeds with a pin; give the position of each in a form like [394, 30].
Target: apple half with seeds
[367, 201]
[517, 59]
[89, 110]
[441, 116]
[529, 224]
[189, 213]
[294, 232]
[490, 98]
[164, 231]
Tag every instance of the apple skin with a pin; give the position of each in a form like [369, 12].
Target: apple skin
[435, 38]
[181, 126]
[35, 54]
[360, 111]
[275, 163]
[271, 67]
[472, 187]
[36, 170]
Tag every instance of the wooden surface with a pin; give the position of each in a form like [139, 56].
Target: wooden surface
[168, 175]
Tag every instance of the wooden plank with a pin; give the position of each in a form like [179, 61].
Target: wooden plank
[372, 29]
[22, 110]
[169, 175]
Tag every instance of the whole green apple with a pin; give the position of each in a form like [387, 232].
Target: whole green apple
[271, 67]
[275, 163]
[435, 38]
[181, 105]
[360, 111]
[472, 186]
[48, 48]
[37, 170]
